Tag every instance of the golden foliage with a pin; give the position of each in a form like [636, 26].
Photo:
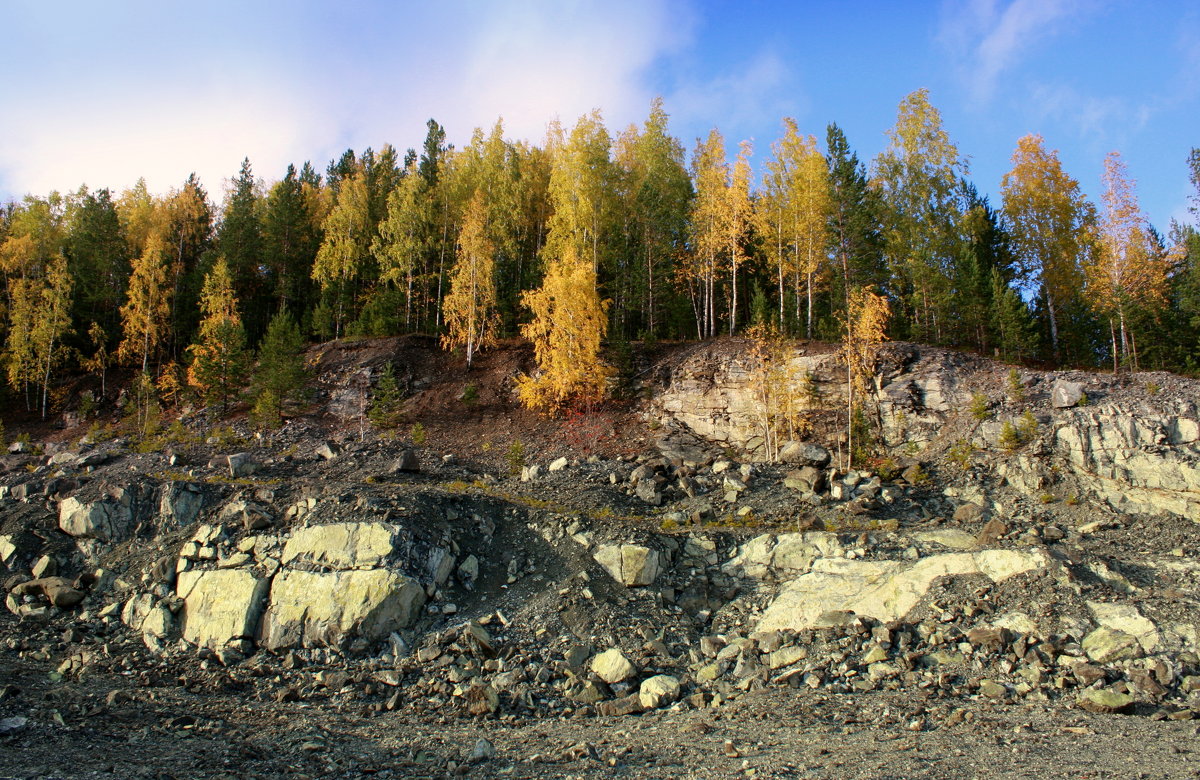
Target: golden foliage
[569, 322]
[470, 307]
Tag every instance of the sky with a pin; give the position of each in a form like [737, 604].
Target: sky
[104, 93]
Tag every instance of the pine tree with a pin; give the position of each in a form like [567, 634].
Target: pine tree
[219, 357]
[280, 370]
[855, 231]
[240, 242]
[289, 242]
[470, 307]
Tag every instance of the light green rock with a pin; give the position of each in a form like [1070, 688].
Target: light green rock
[1126, 619]
[220, 605]
[951, 538]
[342, 546]
[310, 609]
[103, 520]
[786, 656]
[875, 655]
[658, 690]
[884, 590]
[1105, 645]
[612, 666]
[629, 564]
[1105, 701]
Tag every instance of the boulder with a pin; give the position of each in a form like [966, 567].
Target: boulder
[1105, 701]
[241, 464]
[803, 453]
[884, 590]
[180, 502]
[328, 450]
[341, 546]
[1064, 394]
[310, 609]
[808, 479]
[221, 605]
[629, 564]
[105, 520]
[406, 462]
[1105, 645]
[612, 666]
[658, 690]
[557, 465]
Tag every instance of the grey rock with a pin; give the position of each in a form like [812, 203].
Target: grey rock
[1065, 394]
[804, 454]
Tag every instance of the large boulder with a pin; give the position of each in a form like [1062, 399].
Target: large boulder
[341, 546]
[106, 520]
[180, 502]
[629, 564]
[309, 609]
[802, 453]
[220, 606]
[1064, 394]
[884, 590]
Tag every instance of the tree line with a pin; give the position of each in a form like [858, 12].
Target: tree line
[593, 237]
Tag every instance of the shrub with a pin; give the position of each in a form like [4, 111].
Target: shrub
[1010, 439]
[961, 453]
[470, 395]
[417, 434]
[386, 401]
[266, 414]
[979, 407]
[1027, 427]
[1016, 388]
[515, 457]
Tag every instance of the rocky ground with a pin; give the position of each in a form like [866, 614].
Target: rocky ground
[636, 590]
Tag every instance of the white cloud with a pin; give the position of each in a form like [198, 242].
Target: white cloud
[748, 96]
[364, 74]
[988, 37]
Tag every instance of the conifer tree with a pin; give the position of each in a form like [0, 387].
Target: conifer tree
[855, 231]
[280, 370]
[470, 308]
[219, 356]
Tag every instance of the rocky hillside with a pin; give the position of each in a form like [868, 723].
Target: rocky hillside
[625, 592]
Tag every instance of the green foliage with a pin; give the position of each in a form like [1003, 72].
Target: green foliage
[281, 369]
[386, 402]
[1084, 400]
[470, 394]
[418, 434]
[515, 457]
[979, 407]
[323, 325]
[862, 435]
[142, 412]
[1027, 427]
[1010, 438]
[265, 413]
[1016, 388]
[1152, 388]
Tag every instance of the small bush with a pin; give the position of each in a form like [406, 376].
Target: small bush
[1152, 388]
[668, 524]
[515, 457]
[1027, 427]
[470, 395]
[1084, 400]
[961, 454]
[417, 434]
[1010, 439]
[1016, 388]
[1047, 498]
[979, 407]
[266, 414]
[386, 402]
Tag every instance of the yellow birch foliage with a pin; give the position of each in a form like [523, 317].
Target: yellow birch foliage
[470, 307]
[1049, 221]
[568, 324]
[146, 313]
[1126, 270]
[865, 329]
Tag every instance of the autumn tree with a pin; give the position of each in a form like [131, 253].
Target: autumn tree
[145, 317]
[919, 176]
[1049, 221]
[739, 215]
[795, 211]
[219, 358]
[865, 329]
[708, 228]
[404, 236]
[567, 328]
[344, 251]
[470, 306]
[1127, 271]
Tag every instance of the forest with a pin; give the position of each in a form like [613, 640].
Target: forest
[589, 242]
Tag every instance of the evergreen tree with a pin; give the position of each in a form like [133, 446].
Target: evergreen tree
[240, 242]
[280, 370]
[98, 259]
[219, 357]
[855, 232]
[289, 243]
[1010, 320]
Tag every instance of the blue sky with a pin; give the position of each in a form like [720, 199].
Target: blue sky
[102, 93]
